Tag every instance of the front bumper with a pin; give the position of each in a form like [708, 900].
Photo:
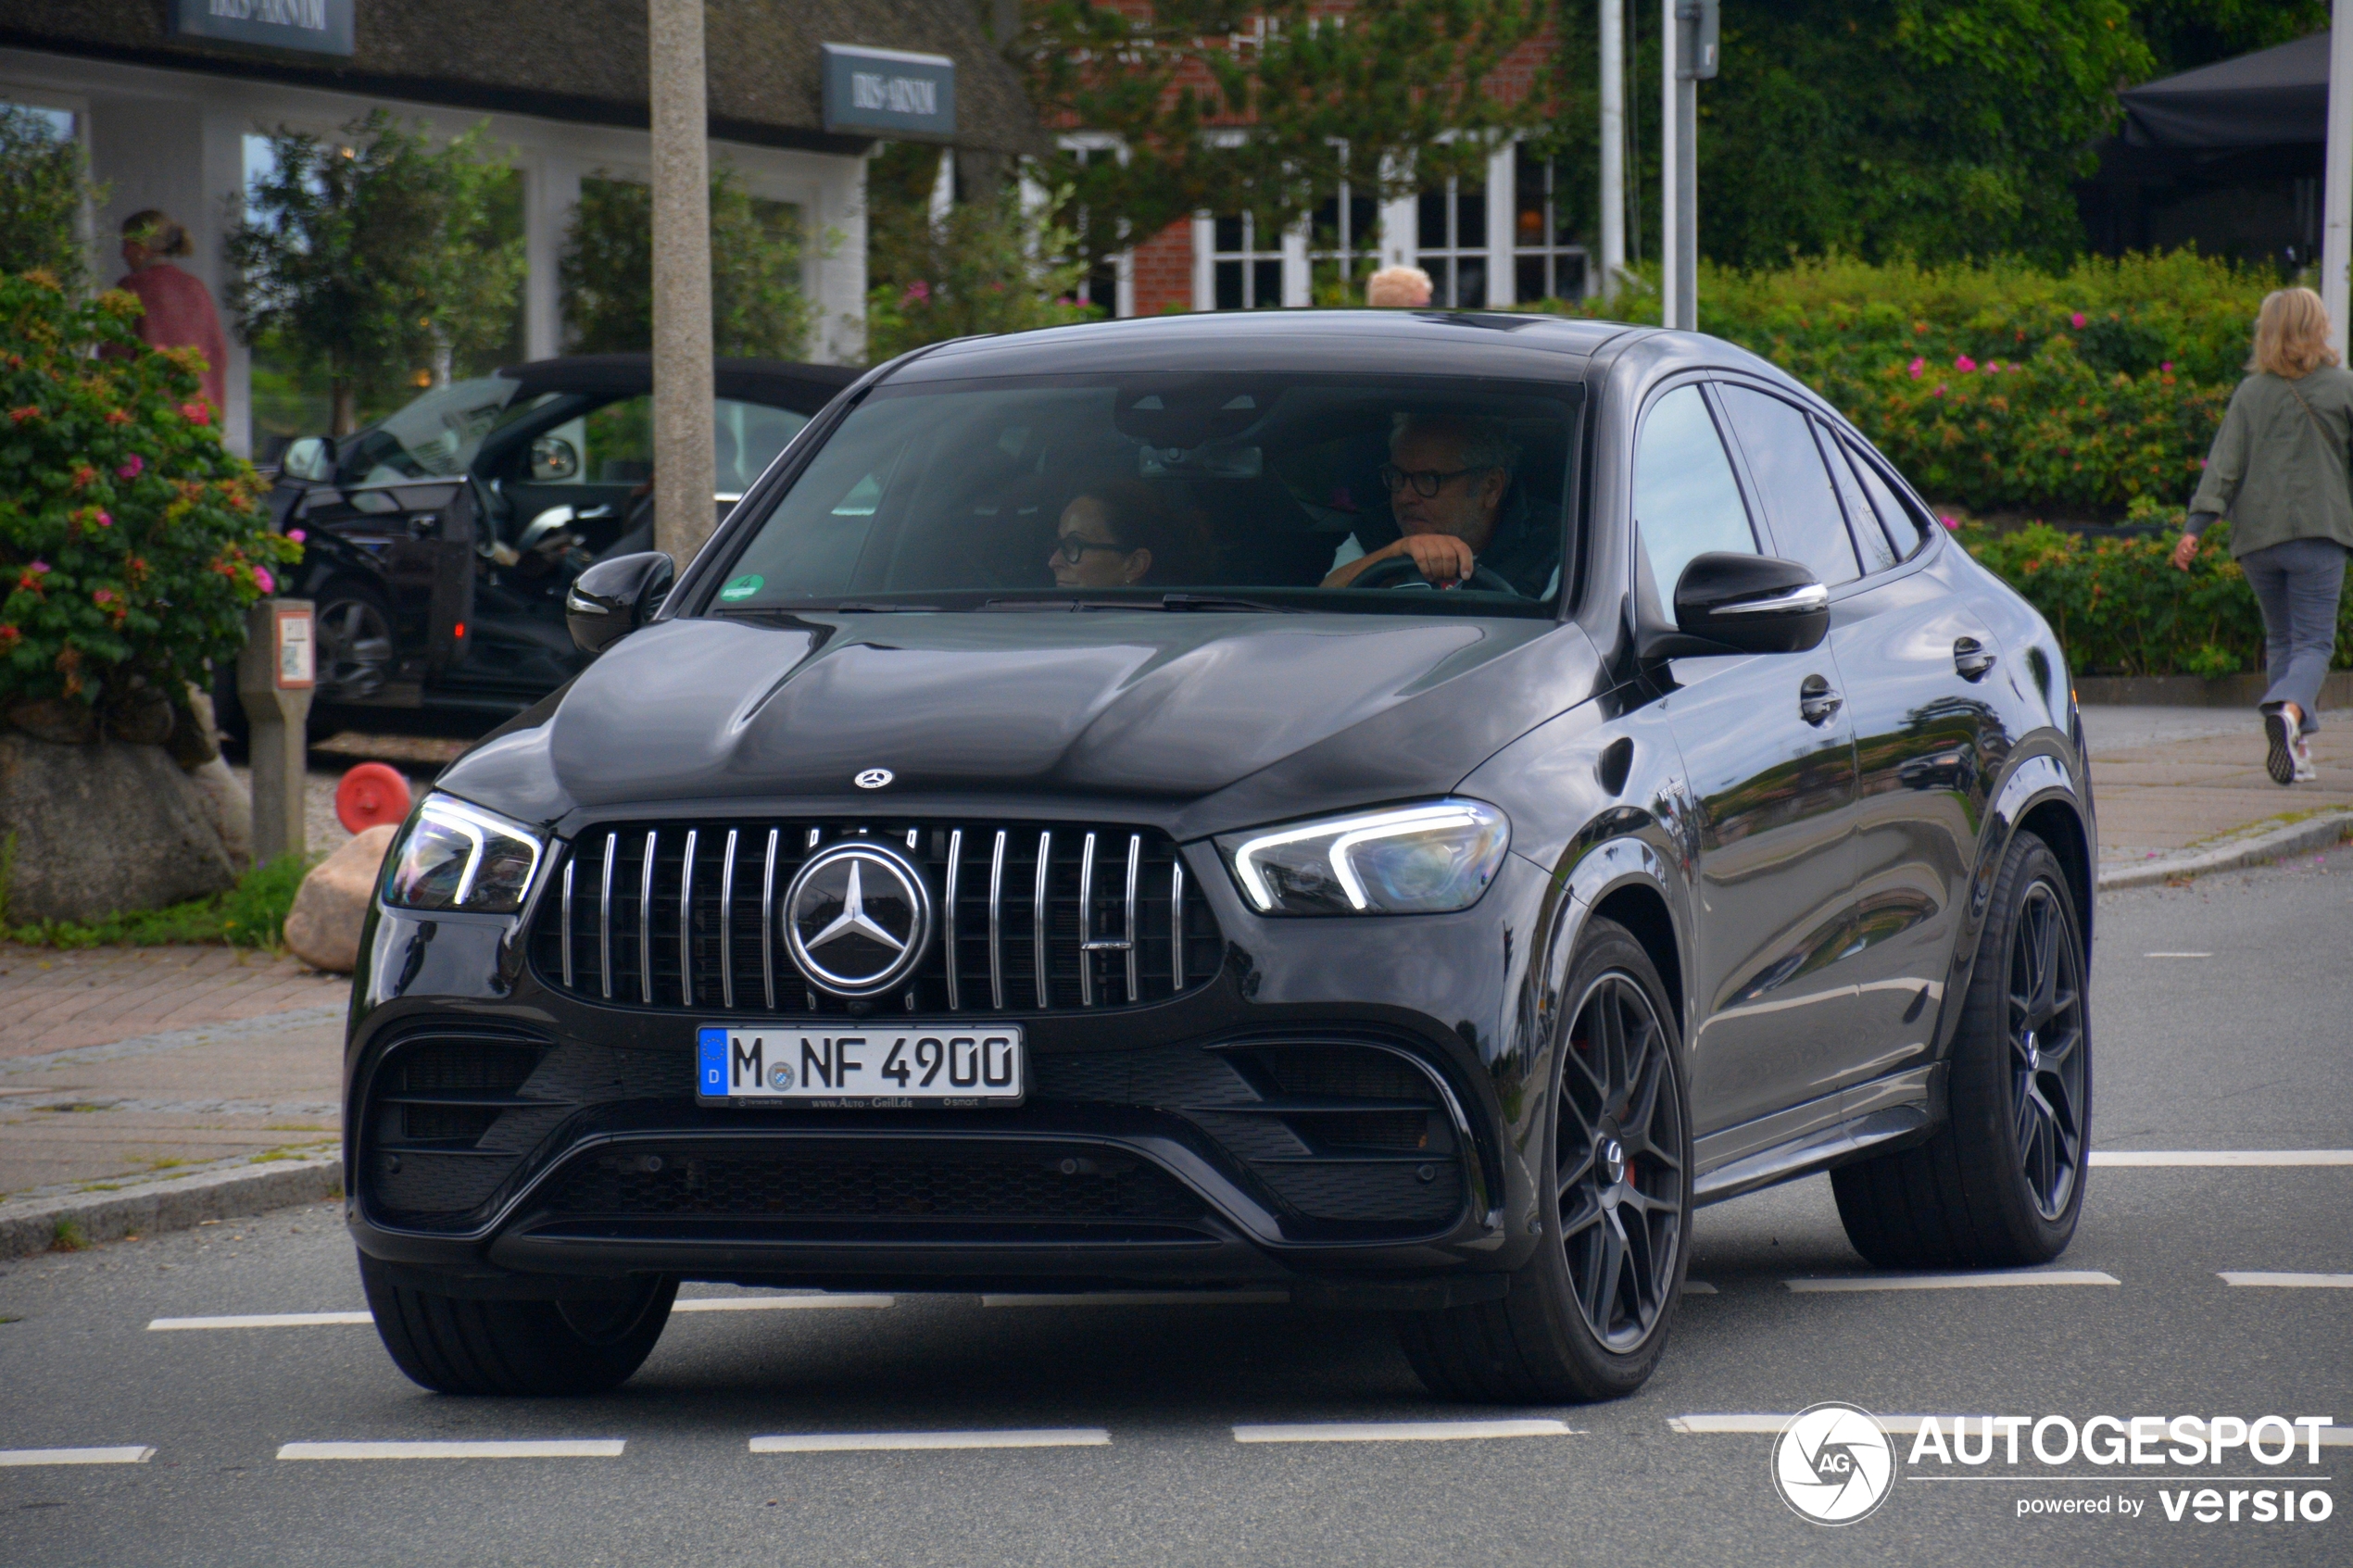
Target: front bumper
[505, 1137]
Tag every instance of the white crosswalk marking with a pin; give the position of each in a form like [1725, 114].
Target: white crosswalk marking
[2289, 1281]
[559, 1447]
[134, 1455]
[1951, 1282]
[1401, 1431]
[776, 1303]
[864, 1442]
[2122, 1159]
[263, 1320]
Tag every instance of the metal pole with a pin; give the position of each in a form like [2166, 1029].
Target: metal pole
[684, 476]
[1670, 184]
[1686, 252]
[1613, 145]
[2336, 196]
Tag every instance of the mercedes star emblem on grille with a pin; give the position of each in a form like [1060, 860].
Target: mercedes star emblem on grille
[873, 778]
[857, 917]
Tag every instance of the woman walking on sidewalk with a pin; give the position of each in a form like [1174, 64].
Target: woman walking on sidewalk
[2279, 471]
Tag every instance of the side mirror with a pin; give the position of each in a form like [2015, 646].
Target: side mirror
[1751, 604]
[553, 458]
[312, 457]
[614, 597]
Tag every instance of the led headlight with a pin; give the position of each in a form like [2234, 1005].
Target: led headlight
[1403, 861]
[461, 857]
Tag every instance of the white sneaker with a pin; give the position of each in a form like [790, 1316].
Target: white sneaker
[2280, 761]
[2305, 771]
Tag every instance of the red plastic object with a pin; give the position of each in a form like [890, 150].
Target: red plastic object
[370, 794]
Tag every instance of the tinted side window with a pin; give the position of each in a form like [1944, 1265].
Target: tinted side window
[1685, 497]
[1877, 553]
[1903, 524]
[1807, 525]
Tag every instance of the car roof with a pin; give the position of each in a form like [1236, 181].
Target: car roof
[781, 382]
[1395, 342]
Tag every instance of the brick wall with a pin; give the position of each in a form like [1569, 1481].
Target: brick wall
[1164, 271]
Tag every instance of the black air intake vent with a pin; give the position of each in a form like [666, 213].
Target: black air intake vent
[1028, 917]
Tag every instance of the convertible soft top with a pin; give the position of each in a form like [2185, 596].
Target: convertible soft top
[779, 382]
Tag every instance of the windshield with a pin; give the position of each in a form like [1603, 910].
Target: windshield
[1326, 493]
[435, 437]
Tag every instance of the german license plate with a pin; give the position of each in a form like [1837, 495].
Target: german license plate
[904, 1065]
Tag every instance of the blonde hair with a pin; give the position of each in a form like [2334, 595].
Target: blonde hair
[157, 229]
[2292, 335]
[1398, 286]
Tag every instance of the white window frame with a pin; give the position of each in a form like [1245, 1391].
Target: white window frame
[1122, 262]
[1550, 248]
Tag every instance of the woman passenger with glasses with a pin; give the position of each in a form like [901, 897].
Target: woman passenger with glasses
[1114, 535]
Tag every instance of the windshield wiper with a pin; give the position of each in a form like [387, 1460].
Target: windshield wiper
[1222, 602]
[871, 607]
[1166, 601]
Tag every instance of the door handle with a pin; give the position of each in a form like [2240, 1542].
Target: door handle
[1970, 658]
[1816, 704]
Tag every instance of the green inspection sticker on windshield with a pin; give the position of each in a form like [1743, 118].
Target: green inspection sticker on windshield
[743, 587]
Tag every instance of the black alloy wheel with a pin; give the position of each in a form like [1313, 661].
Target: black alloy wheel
[1618, 1173]
[2001, 1184]
[354, 634]
[2048, 1063]
[1587, 1316]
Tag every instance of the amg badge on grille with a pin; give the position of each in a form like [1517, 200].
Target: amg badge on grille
[857, 917]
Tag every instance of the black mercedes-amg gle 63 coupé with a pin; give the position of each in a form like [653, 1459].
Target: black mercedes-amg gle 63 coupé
[1397, 808]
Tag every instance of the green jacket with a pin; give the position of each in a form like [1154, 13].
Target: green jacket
[2278, 468]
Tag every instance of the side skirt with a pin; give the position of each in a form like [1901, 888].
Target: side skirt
[1814, 1136]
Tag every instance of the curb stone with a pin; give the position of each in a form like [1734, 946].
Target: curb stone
[2317, 832]
[29, 1225]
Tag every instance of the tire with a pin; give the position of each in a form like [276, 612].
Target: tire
[1587, 1316]
[355, 643]
[2001, 1184]
[456, 1346]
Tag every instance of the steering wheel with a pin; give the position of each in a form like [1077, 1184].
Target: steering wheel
[1398, 572]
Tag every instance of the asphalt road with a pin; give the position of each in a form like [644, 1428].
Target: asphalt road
[2242, 1049]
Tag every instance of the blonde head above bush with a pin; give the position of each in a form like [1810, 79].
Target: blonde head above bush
[2292, 335]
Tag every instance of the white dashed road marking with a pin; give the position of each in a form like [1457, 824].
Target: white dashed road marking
[2265, 1157]
[1400, 1431]
[2290, 1282]
[2177, 955]
[1698, 1287]
[1952, 1282]
[862, 1442]
[561, 1448]
[75, 1456]
[263, 1320]
[772, 1303]
[1147, 1299]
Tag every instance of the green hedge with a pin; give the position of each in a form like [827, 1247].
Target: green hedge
[1997, 387]
[2121, 609]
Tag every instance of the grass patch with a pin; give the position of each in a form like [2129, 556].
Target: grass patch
[66, 1236]
[252, 914]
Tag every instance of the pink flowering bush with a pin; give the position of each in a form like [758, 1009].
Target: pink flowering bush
[130, 541]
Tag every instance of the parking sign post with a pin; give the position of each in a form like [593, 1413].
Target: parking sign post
[275, 674]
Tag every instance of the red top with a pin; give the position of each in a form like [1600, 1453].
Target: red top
[180, 315]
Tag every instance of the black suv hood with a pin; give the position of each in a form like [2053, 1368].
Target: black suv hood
[1199, 720]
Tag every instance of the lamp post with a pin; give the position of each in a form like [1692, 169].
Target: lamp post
[1613, 144]
[1687, 56]
[2336, 238]
[684, 460]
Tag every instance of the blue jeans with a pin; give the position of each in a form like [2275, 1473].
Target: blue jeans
[2297, 584]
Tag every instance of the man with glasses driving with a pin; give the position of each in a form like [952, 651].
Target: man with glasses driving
[1449, 481]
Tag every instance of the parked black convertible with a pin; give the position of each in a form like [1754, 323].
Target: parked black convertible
[1393, 808]
[438, 543]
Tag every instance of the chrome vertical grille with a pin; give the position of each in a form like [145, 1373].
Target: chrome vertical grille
[1110, 917]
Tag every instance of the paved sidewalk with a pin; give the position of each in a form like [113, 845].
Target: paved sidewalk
[54, 1000]
[2168, 777]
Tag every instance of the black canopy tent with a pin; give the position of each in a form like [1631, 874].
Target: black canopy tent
[2226, 157]
[2269, 98]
